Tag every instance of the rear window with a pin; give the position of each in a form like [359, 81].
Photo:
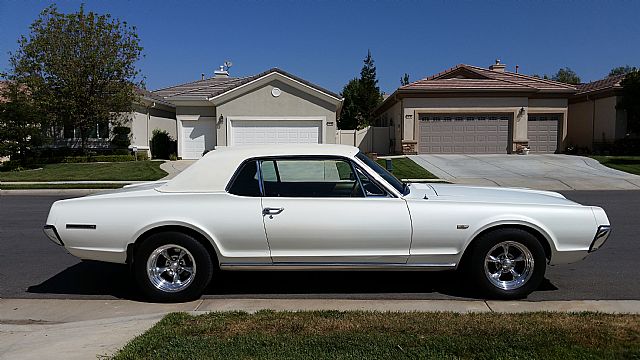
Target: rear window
[246, 182]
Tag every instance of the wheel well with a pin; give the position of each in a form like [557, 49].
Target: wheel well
[131, 248]
[543, 241]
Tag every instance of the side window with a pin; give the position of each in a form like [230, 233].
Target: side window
[246, 181]
[309, 178]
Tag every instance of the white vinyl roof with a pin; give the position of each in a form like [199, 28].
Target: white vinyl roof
[214, 171]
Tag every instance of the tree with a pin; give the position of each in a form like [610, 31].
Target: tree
[361, 97]
[404, 80]
[21, 126]
[567, 76]
[80, 68]
[631, 100]
[350, 116]
[621, 70]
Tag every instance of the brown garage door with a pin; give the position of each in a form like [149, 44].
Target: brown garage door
[542, 131]
[463, 133]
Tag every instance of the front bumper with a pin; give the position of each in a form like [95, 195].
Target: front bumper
[600, 238]
[52, 234]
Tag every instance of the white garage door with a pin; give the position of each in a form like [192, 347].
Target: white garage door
[268, 132]
[464, 133]
[542, 131]
[197, 136]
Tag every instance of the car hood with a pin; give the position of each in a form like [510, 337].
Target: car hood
[464, 193]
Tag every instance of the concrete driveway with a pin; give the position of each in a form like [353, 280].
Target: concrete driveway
[546, 172]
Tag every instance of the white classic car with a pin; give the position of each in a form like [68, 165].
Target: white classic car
[317, 207]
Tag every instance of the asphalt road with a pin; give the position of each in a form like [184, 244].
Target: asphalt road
[31, 266]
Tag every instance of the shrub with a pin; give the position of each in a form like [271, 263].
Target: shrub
[626, 146]
[142, 156]
[98, 158]
[173, 157]
[112, 158]
[121, 137]
[121, 152]
[161, 144]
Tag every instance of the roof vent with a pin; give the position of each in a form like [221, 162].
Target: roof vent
[221, 73]
[497, 66]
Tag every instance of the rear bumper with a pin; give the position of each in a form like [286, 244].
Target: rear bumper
[600, 238]
[52, 234]
[106, 255]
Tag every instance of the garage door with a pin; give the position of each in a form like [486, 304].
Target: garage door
[542, 131]
[268, 132]
[197, 136]
[464, 133]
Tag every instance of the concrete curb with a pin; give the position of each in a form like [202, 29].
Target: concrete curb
[51, 192]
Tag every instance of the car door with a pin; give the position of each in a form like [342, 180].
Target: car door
[317, 211]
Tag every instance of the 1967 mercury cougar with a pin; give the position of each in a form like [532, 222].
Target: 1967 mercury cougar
[317, 207]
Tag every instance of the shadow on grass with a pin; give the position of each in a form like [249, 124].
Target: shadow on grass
[95, 279]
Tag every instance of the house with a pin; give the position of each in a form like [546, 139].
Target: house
[272, 107]
[593, 114]
[473, 110]
[151, 112]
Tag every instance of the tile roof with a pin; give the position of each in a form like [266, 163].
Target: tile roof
[610, 82]
[215, 86]
[471, 78]
[151, 96]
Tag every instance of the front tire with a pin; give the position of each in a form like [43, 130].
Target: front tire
[508, 263]
[172, 267]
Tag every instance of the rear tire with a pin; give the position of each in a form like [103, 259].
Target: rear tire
[172, 267]
[507, 263]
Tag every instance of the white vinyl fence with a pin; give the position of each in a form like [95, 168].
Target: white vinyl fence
[368, 140]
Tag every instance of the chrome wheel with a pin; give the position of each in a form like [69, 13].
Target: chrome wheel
[171, 268]
[508, 265]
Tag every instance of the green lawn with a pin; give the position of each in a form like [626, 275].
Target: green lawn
[122, 171]
[630, 164]
[376, 335]
[405, 168]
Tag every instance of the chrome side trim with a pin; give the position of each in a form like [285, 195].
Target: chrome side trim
[81, 226]
[336, 266]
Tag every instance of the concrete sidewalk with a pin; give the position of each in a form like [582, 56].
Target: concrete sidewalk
[173, 168]
[82, 329]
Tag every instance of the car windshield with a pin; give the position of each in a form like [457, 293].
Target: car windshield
[392, 180]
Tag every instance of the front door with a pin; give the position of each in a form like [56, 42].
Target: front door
[317, 210]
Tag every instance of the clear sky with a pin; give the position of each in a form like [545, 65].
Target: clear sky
[325, 41]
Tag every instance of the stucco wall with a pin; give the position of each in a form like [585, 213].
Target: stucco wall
[605, 119]
[580, 124]
[144, 120]
[291, 102]
[595, 121]
[393, 117]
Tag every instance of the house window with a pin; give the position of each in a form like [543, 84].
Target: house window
[99, 130]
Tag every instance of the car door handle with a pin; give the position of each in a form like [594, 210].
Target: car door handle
[272, 211]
